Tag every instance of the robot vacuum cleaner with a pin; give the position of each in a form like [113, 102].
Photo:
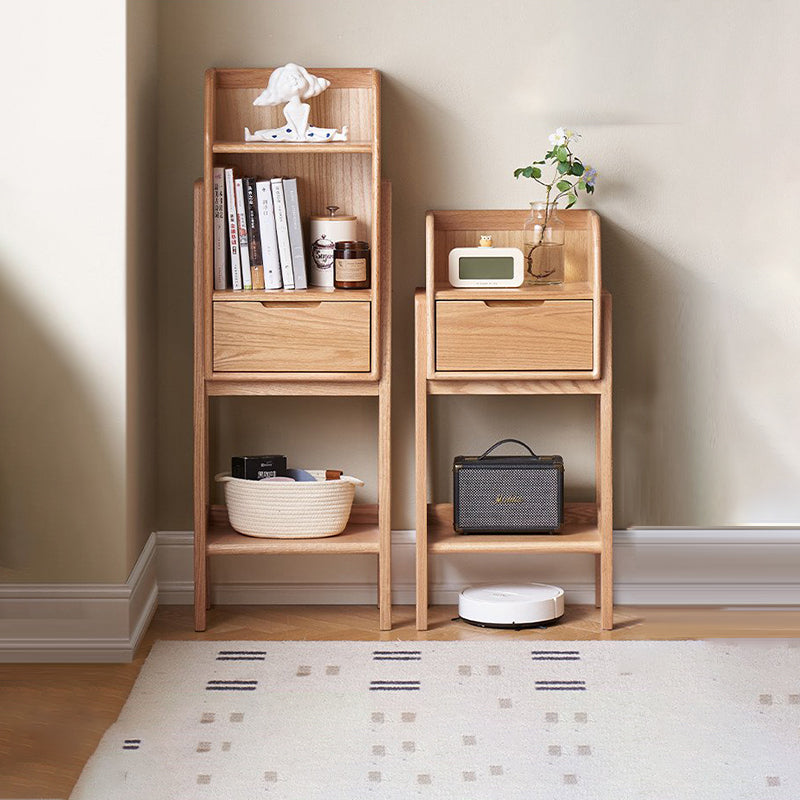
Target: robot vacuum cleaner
[511, 605]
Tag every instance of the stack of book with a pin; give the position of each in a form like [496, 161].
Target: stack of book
[258, 238]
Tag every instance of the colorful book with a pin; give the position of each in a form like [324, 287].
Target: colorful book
[233, 230]
[282, 230]
[253, 232]
[241, 221]
[269, 237]
[220, 235]
[295, 233]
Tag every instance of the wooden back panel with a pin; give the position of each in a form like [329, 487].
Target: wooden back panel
[464, 228]
[349, 100]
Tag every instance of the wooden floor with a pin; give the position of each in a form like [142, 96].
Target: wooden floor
[53, 716]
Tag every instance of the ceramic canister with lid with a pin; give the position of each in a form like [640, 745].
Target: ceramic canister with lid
[325, 232]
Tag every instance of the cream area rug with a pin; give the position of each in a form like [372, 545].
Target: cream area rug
[494, 720]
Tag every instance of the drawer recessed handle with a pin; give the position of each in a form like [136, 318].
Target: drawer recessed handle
[291, 304]
[514, 303]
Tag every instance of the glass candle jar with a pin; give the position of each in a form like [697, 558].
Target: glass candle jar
[351, 265]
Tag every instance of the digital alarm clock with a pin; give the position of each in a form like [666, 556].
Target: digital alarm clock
[485, 266]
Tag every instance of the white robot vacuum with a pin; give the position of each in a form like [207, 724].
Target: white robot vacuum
[511, 605]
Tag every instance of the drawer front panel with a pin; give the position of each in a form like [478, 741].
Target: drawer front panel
[292, 336]
[501, 335]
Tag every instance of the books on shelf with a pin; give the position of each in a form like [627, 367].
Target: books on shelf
[221, 258]
[258, 233]
[232, 230]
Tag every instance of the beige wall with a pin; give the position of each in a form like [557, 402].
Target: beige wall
[69, 407]
[686, 110]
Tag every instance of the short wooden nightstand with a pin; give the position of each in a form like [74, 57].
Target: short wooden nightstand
[530, 340]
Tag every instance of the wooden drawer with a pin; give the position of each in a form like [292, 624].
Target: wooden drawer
[292, 336]
[523, 335]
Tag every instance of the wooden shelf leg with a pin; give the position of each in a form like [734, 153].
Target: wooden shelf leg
[384, 506]
[421, 465]
[605, 510]
[598, 579]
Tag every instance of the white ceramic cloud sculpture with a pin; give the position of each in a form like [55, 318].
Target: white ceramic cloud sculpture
[290, 84]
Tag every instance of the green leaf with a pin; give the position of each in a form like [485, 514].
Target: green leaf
[589, 189]
[577, 168]
[562, 154]
[527, 172]
[563, 168]
[581, 185]
[572, 199]
[537, 173]
[518, 172]
[562, 186]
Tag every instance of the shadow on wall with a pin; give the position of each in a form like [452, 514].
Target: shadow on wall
[61, 499]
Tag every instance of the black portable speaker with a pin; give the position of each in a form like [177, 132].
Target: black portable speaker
[508, 494]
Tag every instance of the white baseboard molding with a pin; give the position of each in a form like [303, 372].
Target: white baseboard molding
[714, 567]
[105, 622]
[87, 623]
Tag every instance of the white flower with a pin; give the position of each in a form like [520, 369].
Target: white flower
[562, 136]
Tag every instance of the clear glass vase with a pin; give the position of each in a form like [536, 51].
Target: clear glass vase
[543, 246]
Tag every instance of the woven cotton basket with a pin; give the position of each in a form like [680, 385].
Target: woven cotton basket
[285, 510]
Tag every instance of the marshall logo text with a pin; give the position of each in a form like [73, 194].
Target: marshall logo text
[508, 498]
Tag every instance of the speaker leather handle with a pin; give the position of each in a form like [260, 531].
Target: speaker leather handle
[507, 441]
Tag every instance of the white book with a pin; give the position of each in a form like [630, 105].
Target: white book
[241, 221]
[233, 230]
[269, 237]
[220, 227]
[282, 230]
[295, 233]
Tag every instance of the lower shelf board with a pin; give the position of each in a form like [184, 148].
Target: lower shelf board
[360, 536]
[579, 534]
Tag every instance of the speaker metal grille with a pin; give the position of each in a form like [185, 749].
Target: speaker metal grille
[510, 499]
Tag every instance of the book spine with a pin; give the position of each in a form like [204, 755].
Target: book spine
[295, 233]
[220, 227]
[233, 231]
[282, 231]
[253, 233]
[241, 221]
[269, 238]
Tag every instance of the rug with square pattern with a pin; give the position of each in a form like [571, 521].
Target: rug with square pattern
[495, 720]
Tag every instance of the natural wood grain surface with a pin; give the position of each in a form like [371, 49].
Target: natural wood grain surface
[578, 534]
[313, 294]
[383, 324]
[292, 337]
[329, 384]
[448, 229]
[53, 716]
[244, 148]
[604, 476]
[572, 291]
[354, 539]
[344, 337]
[421, 455]
[500, 335]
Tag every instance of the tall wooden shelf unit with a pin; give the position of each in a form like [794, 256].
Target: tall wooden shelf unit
[526, 341]
[329, 342]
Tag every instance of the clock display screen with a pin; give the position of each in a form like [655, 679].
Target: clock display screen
[485, 267]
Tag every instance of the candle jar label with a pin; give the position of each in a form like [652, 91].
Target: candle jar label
[351, 269]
